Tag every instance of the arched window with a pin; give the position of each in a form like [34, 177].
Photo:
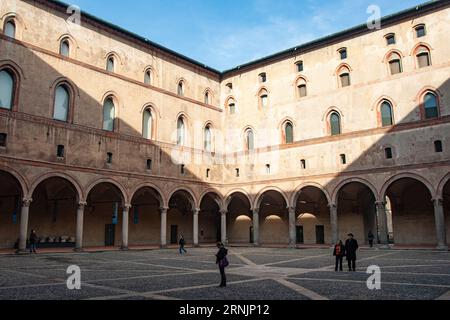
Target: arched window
[431, 107]
[231, 106]
[207, 98]
[395, 63]
[288, 133]
[301, 88]
[335, 124]
[387, 118]
[423, 57]
[249, 140]
[6, 89]
[180, 89]
[110, 64]
[61, 103]
[181, 132]
[9, 28]
[109, 115]
[64, 48]
[344, 76]
[263, 99]
[148, 77]
[147, 127]
[207, 139]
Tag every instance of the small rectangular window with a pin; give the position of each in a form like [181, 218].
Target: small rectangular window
[208, 172]
[302, 90]
[420, 31]
[267, 168]
[263, 77]
[3, 138]
[60, 151]
[149, 164]
[343, 54]
[300, 67]
[182, 167]
[390, 39]
[237, 173]
[345, 80]
[303, 164]
[395, 66]
[109, 158]
[343, 159]
[388, 153]
[438, 146]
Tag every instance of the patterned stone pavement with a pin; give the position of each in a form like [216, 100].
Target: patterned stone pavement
[254, 274]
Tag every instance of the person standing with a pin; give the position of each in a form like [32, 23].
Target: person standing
[33, 241]
[351, 246]
[339, 252]
[182, 244]
[371, 237]
[222, 261]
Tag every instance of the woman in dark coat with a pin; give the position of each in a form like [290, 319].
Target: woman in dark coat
[351, 246]
[339, 253]
[222, 261]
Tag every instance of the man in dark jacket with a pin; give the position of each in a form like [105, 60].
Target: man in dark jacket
[182, 244]
[351, 246]
[222, 261]
[33, 240]
[339, 252]
[371, 237]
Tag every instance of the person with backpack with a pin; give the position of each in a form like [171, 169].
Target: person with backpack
[182, 243]
[339, 253]
[222, 261]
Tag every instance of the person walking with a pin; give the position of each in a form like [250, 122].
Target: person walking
[33, 241]
[351, 246]
[182, 244]
[222, 261]
[339, 252]
[371, 237]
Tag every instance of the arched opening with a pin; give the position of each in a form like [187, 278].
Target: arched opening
[53, 213]
[263, 99]
[180, 88]
[11, 196]
[288, 133]
[147, 125]
[109, 114]
[103, 216]
[207, 138]
[387, 117]
[335, 124]
[446, 204]
[61, 103]
[249, 140]
[412, 212]
[239, 219]
[110, 64]
[430, 106]
[209, 228]
[7, 86]
[357, 212]
[395, 63]
[181, 132]
[64, 48]
[9, 29]
[312, 217]
[148, 77]
[273, 219]
[180, 218]
[145, 218]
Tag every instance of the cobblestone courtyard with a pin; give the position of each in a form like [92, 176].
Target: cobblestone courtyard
[255, 274]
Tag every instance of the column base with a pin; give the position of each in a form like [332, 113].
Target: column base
[196, 245]
[124, 248]
[78, 250]
[256, 245]
[292, 246]
[163, 246]
[385, 247]
[22, 251]
[442, 248]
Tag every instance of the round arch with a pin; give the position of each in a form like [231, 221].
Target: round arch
[441, 186]
[218, 197]
[260, 195]
[192, 198]
[115, 183]
[73, 181]
[158, 194]
[345, 182]
[409, 175]
[229, 197]
[297, 192]
[16, 175]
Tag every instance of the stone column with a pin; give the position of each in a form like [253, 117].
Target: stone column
[334, 223]
[440, 224]
[24, 225]
[125, 218]
[164, 227]
[292, 228]
[256, 227]
[382, 223]
[223, 226]
[80, 222]
[196, 212]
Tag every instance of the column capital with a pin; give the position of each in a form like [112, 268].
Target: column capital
[196, 211]
[223, 212]
[127, 206]
[332, 205]
[380, 203]
[163, 209]
[437, 200]
[26, 202]
[82, 204]
[292, 209]
[255, 210]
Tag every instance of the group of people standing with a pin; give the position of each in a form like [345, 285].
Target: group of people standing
[348, 250]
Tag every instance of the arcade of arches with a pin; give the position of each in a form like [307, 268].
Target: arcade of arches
[405, 211]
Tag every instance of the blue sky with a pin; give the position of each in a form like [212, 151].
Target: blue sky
[227, 33]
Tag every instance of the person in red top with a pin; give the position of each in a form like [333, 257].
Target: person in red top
[339, 253]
